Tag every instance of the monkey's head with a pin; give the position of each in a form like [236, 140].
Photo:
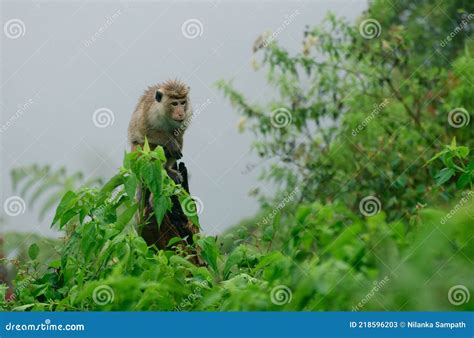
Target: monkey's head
[174, 100]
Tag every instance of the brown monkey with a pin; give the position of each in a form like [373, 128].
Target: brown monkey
[162, 116]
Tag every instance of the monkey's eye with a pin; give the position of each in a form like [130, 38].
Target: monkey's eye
[174, 103]
[183, 102]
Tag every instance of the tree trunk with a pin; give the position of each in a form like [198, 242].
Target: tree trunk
[174, 224]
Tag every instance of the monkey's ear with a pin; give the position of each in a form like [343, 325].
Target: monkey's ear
[158, 96]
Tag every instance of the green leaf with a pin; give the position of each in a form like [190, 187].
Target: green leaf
[161, 205]
[126, 216]
[146, 146]
[463, 151]
[276, 221]
[444, 175]
[209, 251]
[302, 213]
[151, 174]
[56, 264]
[130, 158]
[464, 180]
[66, 203]
[67, 216]
[131, 185]
[159, 154]
[173, 241]
[453, 143]
[113, 183]
[234, 258]
[140, 244]
[33, 251]
[271, 258]
[268, 234]
[441, 153]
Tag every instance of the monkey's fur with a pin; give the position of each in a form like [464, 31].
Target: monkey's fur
[156, 118]
[164, 123]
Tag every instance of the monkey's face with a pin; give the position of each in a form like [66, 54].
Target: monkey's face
[177, 109]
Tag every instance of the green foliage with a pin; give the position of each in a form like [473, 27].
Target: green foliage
[353, 117]
[104, 244]
[44, 183]
[362, 115]
[457, 163]
[325, 258]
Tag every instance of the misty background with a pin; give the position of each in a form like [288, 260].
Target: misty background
[74, 58]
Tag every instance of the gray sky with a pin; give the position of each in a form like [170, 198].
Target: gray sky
[62, 61]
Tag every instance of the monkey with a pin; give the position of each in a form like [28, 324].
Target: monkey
[162, 115]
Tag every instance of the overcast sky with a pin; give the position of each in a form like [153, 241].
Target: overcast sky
[63, 61]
